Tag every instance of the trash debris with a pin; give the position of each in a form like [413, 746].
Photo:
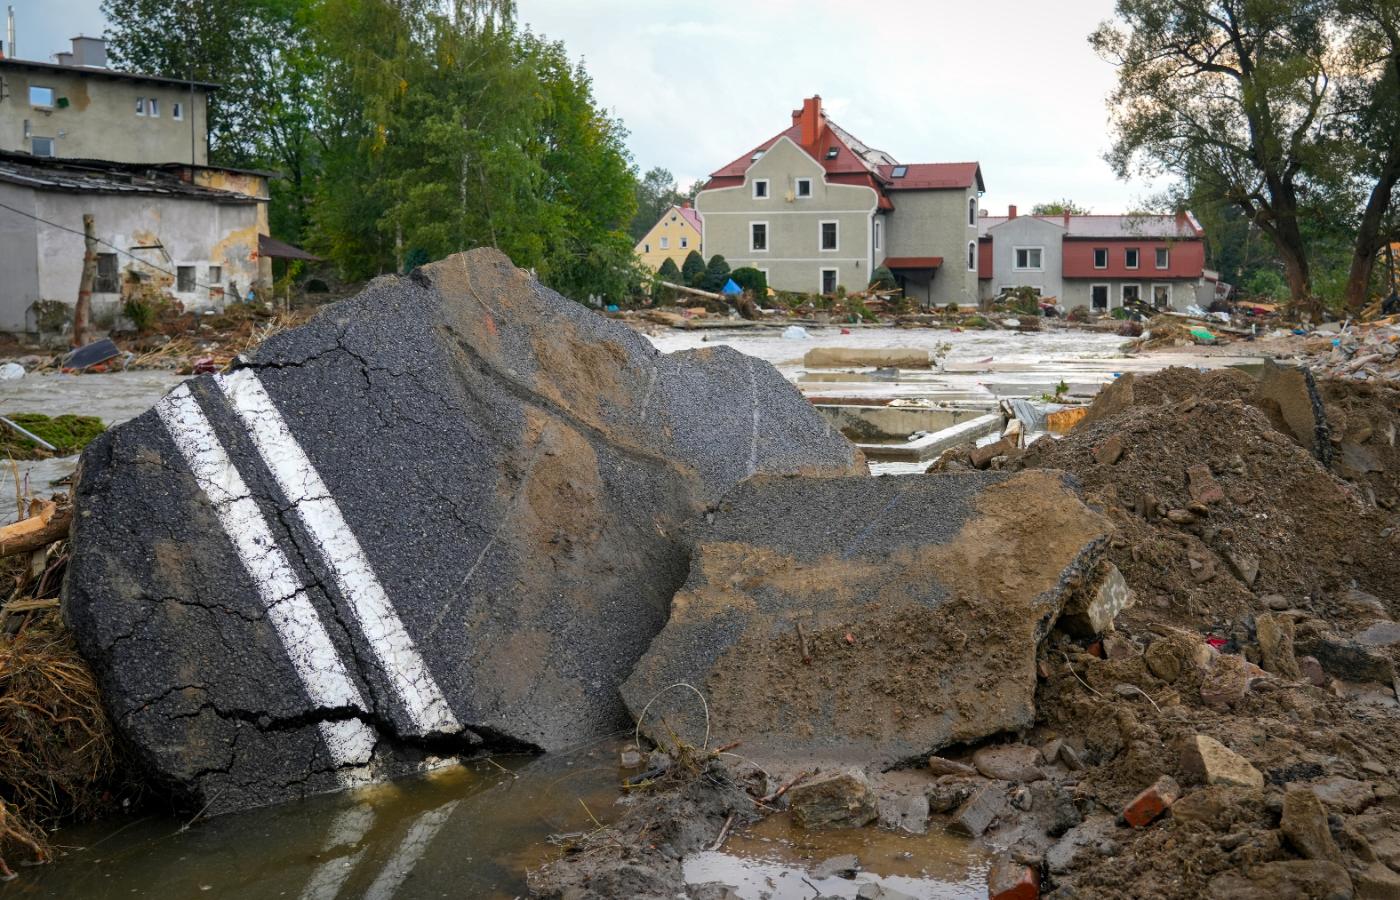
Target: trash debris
[795, 333]
[92, 354]
[11, 371]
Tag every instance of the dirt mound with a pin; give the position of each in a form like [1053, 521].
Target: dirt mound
[1364, 421]
[1170, 385]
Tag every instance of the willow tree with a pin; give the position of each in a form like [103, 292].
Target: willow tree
[1232, 95]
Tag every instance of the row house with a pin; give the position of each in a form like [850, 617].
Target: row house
[815, 209]
[1098, 261]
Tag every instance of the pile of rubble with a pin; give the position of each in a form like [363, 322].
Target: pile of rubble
[1362, 352]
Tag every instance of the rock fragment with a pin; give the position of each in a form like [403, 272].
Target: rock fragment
[1009, 762]
[979, 810]
[841, 799]
[1304, 824]
[1091, 611]
[1213, 763]
[1276, 645]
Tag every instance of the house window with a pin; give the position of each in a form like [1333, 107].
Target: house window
[646, 248]
[1131, 293]
[41, 97]
[1161, 296]
[972, 211]
[41, 146]
[804, 187]
[153, 107]
[107, 280]
[832, 152]
[140, 106]
[971, 255]
[665, 243]
[876, 237]
[758, 236]
[1130, 257]
[828, 236]
[1098, 295]
[1101, 257]
[897, 171]
[685, 242]
[760, 188]
[1029, 259]
[1163, 257]
[177, 111]
[828, 281]
[216, 274]
[184, 278]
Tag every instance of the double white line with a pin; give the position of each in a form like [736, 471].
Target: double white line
[327, 682]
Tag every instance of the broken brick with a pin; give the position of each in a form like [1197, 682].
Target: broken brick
[1008, 879]
[1152, 802]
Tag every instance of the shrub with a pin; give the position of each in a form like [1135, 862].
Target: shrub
[141, 312]
[693, 269]
[1078, 314]
[883, 280]
[751, 280]
[716, 274]
[975, 322]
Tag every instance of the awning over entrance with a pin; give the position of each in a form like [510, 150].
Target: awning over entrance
[271, 247]
[912, 263]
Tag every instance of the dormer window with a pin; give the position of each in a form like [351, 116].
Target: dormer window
[899, 172]
[832, 152]
[757, 156]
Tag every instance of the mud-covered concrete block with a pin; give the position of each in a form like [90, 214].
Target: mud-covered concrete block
[445, 512]
[874, 619]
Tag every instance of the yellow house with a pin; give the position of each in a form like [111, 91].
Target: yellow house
[679, 232]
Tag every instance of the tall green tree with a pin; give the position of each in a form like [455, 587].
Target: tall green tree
[1232, 94]
[1059, 208]
[656, 193]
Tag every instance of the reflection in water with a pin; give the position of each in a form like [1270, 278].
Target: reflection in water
[464, 831]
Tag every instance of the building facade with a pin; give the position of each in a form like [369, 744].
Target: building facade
[816, 210]
[78, 108]
[165, 229]
[678, 231]
[1097, 261]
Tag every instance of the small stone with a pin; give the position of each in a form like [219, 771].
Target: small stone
[841, 799]
[630, 758]
[908, 813]
[1008, 879]
[1276, 645]
[1244, 566]
[1110, 451]
[1276, 602]
[1379, 634]
[1181, 516]
[1152, 802]
[1360, 601]
[1311, 671]
[1304, 824]
[949, 793]
[1050, 751]
[1163, 660]
[1021, 798]
[844, 866]
[1009, 762]
[1202, 484]
[1070, 758]
[1227, 682]
[979, 811]
[1214, 763]
[940, 766]
[1375, 768]
[1116, 646]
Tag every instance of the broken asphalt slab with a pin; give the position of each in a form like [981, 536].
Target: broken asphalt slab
[860, 620]
[446, 511]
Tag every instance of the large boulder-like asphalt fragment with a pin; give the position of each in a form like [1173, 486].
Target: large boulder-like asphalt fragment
[445, 512]
[866, 620]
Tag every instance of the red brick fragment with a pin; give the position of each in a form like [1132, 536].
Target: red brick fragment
[1010, 880]
[1152, 802]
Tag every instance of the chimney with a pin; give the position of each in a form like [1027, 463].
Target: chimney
[685, 204]
[810, 120]
[1066, 219]
[63, 59]
[90, 51]
[1011, 211]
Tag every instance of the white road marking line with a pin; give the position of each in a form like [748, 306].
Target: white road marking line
[379, 622]
[348, 829]
[400, 865]
[313, 656]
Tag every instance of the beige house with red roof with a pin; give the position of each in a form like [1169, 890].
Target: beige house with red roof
[678, 231]
[815, 210]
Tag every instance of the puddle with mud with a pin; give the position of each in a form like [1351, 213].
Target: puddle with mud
[472, 830]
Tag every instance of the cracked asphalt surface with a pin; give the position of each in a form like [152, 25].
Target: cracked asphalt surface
[518, 472]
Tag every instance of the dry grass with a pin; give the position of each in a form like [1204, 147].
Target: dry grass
[57, 755]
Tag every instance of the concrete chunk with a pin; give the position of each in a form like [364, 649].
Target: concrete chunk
[868, 619]
[1214, 763]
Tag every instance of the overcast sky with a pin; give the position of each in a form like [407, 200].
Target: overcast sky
[1011, 84]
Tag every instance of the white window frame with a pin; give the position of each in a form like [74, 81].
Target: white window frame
[972, 256]
[821, 228]
[797, 189]
[53, 96]
[821, 280]
[1153, 295]
[767, 189]
[972, 212]
[1015, 254]
[153, 107]
[177, 111]
[685, 242]
[766, 241]
[53, 146]
[140, 106]
[665, 242]
[1105, 251]
[1123, 291]
[1136, 265]
[875, 234]
[1107, 295]
[1162, 253]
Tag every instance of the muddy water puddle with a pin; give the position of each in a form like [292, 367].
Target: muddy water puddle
[471, 830]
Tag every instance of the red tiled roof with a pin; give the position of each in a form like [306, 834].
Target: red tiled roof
[1118, 226]
[933, 176]
[691, 215]
[912, 262]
